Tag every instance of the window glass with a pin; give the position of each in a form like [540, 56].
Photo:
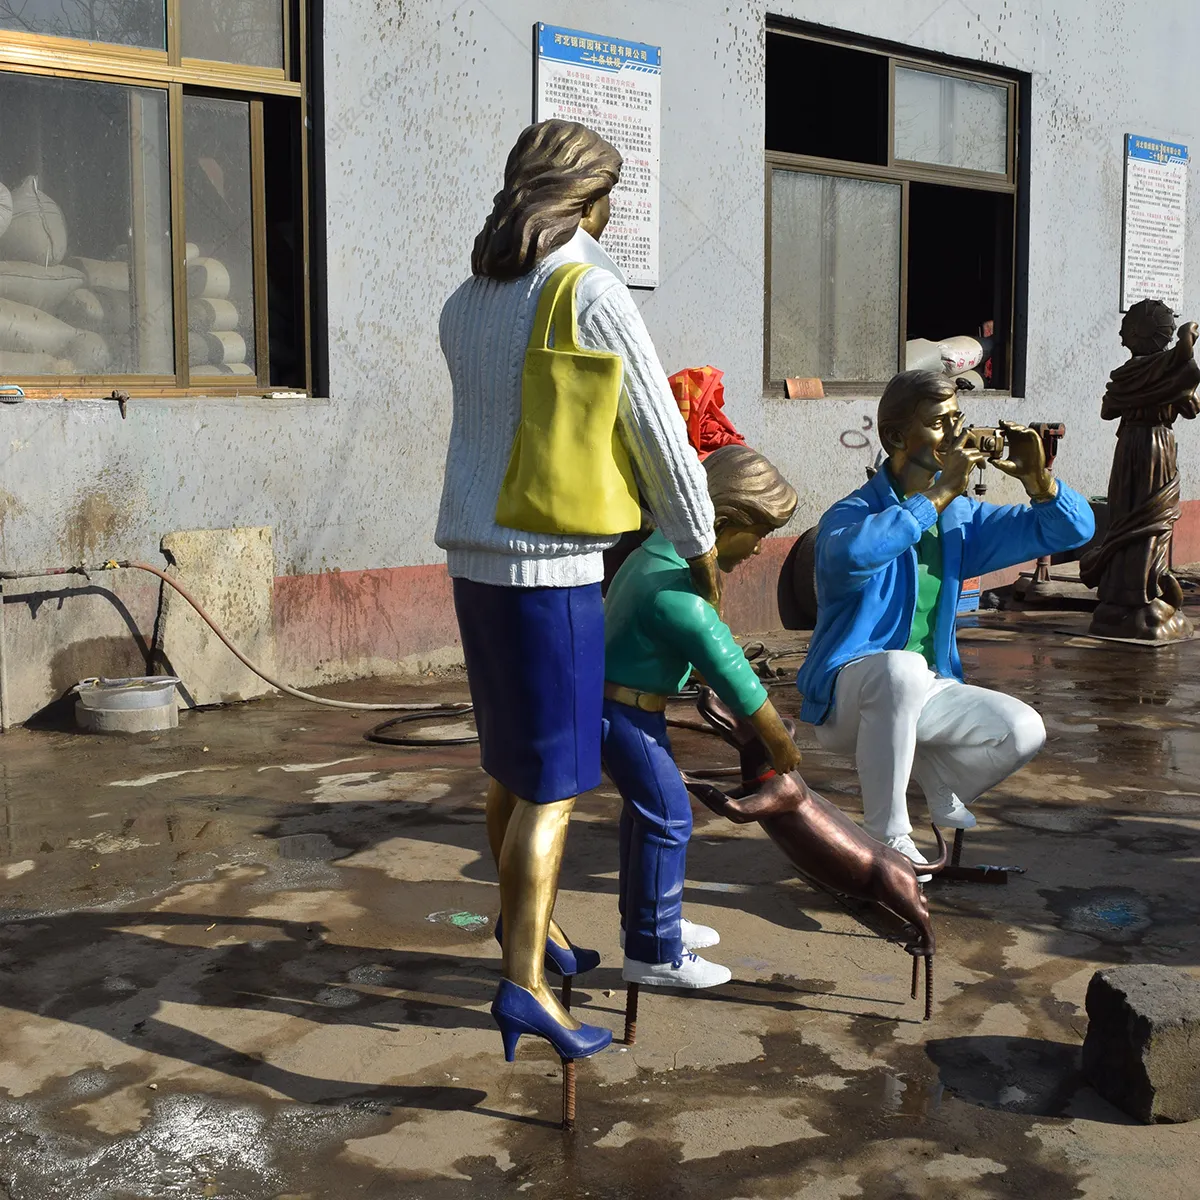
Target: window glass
[85, 256]
[951, 122]
[835, 277]
[220, 225]
[120, 22]
[826, 101]
[249, 32]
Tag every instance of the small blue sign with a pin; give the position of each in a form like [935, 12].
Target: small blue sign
[1155, 149]
[596, 51]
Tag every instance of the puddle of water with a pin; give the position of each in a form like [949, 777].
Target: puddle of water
[293, 768]
[189, 1146]
[337, 997]
[1118, 916]
[370, 975]
[163, 776]
[1016, 1074]
[1057, 820]
[460, 920]
[308, 847]
[1158, 844]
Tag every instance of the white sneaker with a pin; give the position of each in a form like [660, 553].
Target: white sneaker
[690, 971]
[695, 937]
[951, 813]
[908, 848]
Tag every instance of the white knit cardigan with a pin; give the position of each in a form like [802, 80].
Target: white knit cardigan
[485, 330]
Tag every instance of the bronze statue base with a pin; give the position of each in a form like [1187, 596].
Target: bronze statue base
[1158, 623]
[957, 873]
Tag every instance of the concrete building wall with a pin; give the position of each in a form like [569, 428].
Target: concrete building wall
[423, 100]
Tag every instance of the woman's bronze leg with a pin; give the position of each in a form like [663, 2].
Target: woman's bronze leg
[529, 863]
[500, 805]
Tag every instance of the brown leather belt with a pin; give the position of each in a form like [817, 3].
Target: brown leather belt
[646, 701]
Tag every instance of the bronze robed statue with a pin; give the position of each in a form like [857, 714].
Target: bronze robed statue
[1139, 597]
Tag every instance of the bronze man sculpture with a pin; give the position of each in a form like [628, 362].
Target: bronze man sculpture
[883, 679]
[1139, 597]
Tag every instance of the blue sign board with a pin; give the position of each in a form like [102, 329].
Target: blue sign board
[592, 50]
[1155, 150]
[1154, 234]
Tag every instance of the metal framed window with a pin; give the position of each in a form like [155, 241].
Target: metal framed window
[154, 198]
[922, 137]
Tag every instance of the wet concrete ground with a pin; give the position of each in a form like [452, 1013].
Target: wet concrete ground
[253, 958]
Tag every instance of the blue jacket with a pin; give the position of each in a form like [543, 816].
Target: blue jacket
[866, 559]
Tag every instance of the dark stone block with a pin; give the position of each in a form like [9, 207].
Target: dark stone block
[1142, 1050]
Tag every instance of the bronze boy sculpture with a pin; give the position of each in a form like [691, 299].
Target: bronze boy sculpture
[657, 627]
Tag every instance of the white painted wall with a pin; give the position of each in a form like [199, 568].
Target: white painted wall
[424, 98]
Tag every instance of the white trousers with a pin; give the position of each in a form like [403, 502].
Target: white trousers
[900, 721]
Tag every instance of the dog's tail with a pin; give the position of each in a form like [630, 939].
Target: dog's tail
[943, 859]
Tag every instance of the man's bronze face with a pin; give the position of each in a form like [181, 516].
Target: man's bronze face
[930, 433]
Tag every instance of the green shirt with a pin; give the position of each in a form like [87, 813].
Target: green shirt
[656, 627]
[929, 589]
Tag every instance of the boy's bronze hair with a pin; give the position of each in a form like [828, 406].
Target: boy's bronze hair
[747, 490]
[902, 396]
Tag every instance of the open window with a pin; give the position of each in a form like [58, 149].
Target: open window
[892, 217]
[154, 228]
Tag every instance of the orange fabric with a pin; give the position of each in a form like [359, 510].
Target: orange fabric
[700, 395]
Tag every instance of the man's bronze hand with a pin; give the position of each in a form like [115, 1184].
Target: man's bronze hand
[957, 464]
[1026, 460]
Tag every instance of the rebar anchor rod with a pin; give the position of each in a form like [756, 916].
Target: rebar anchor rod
[928, 981]
[568, 1095]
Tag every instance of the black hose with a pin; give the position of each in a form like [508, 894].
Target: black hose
[377, 733]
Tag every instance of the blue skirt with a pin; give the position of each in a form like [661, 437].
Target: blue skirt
[535, 664]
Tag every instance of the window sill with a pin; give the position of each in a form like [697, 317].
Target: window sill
[168, 399]
[871, 391]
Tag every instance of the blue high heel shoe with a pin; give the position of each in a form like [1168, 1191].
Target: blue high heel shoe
[561, 961]
[516, 1010]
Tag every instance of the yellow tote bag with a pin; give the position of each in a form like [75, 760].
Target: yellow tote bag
[568, 472]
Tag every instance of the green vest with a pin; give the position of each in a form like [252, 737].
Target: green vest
[656, 628]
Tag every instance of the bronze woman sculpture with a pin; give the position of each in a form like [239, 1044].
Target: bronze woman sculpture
[1139, 597]
[527, 578]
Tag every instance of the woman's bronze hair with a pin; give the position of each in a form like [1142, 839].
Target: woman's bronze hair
[902, 396]
[555, 171]
[747, 490]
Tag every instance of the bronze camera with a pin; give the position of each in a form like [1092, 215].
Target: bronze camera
[989, 442]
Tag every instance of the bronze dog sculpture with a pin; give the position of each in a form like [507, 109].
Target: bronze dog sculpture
[818, 839]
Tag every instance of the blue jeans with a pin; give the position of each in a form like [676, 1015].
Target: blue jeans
[656, 823]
